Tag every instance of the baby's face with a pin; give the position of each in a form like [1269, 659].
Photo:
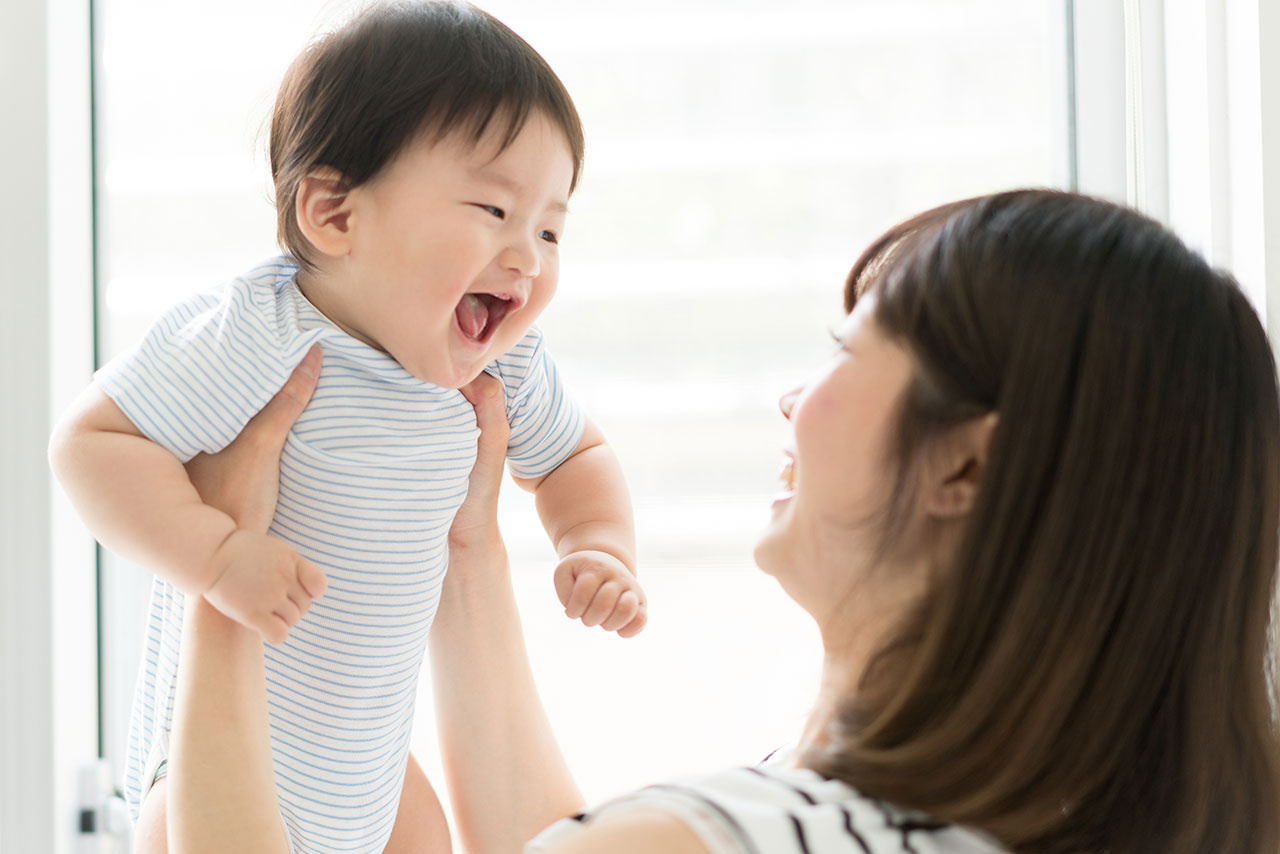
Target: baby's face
[454, 249]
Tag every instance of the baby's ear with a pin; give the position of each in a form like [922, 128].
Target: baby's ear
[323, 211]
[956, 466]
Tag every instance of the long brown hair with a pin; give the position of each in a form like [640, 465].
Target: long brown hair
[1092, 671]
[358, 96]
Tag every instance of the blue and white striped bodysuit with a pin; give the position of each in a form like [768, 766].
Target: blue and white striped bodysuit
[371, 477]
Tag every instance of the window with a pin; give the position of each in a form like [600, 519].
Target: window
[740, 155]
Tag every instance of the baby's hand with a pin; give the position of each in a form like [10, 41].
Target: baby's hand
[263, 584]
[598, 589]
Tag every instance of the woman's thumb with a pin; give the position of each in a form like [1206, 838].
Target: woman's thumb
[277, 417]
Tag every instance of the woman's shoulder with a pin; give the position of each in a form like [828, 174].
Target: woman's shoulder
[772, 807]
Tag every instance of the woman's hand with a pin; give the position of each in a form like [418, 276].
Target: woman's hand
[263, 583]
[243, 479]
[477, 521]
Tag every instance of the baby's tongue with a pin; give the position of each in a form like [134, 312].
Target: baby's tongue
[472, 314]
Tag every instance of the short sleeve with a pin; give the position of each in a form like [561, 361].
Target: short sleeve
[716, 830]
[546, 423]
[202, 370]
[775, 810]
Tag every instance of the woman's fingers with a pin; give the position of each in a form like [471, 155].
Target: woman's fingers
[269, 429]
[242, 480]
[480, 510]
[485, 394]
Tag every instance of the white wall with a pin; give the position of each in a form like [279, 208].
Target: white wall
[26, 737]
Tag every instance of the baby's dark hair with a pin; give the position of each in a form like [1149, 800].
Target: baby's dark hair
[358, 96]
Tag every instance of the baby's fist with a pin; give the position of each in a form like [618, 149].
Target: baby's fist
[263, 584]
[598, 589]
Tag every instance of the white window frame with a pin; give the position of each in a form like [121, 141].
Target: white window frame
[1178, 113]
[48, 593]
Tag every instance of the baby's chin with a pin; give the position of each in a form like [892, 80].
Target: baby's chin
[452, 376]
[455, 373]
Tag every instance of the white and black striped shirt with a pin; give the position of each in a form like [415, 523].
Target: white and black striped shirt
[773, 808]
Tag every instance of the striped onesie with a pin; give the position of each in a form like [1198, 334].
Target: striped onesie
[370, 479]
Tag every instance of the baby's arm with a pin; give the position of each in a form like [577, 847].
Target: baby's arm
[585, 507]
[136, 498]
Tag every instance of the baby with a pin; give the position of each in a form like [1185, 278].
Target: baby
[423, 156]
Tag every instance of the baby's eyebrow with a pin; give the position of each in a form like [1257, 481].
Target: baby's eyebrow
[506, 182]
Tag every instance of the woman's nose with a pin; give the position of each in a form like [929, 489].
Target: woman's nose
[787, 402]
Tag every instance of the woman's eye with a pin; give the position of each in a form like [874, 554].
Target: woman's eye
[549, 236]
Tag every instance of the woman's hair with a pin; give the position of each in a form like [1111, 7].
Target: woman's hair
[359, 95]
[1093, 670]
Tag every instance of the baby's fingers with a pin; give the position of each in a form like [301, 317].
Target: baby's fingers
[273, 628]
[312, 579]
[637, 624]
[564, 579]
[288, 612]
[624, 611]
[584, 590]
[602, 604]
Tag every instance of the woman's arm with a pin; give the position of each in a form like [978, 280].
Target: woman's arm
[222, 790]
[506, 775]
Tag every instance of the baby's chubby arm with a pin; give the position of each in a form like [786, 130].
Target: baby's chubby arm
[136, 498]
[586, 510]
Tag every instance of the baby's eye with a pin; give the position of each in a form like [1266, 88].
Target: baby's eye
[496, 211]
[549, 236]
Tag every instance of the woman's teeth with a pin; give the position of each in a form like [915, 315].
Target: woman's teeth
[788, 474]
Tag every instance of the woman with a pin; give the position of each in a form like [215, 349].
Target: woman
[1032, 504]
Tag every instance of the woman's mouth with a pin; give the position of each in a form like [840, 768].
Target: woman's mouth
[788, 477]
[479, 314]
[788, 474]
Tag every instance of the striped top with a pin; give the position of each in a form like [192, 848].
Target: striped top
[370, 479]
[775, 808]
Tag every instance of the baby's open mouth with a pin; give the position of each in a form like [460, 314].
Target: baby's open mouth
[479, 314]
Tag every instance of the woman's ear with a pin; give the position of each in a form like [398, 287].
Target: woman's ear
[958, 464]
[323, 211]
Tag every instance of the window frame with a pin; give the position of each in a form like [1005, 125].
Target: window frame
[48, 590]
